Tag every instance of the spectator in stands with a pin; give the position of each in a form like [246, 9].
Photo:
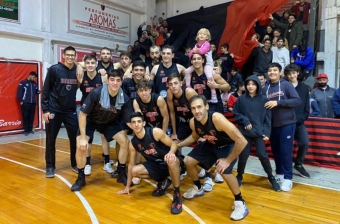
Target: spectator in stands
[240, 90]
[314, 107]
[263, 31]
[323, 95]
[336, 103]
[184, 58]
[278, 33]
[303, 56]
[263, 57]
[227, 61]
[263, 80]
[234, 79]
[301, 10]
[284, 17]
[302, 112]
[293, 31]
[214, 52]
[280, 53]
[129, 48]
[254, 122]
[283, 98]
[155, 55]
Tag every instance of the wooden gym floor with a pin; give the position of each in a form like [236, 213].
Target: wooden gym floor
[28, 197]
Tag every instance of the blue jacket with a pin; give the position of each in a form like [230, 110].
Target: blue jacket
[27, 91]
[305, 60]
[287, 99]
[336, 103]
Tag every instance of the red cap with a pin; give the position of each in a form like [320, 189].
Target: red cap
[322, 75]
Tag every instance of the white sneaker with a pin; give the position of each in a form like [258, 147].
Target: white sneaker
[218, 178]
[183, 175]
[201, 174]
[286, 185]
[240, 210]
[193, 192]
[279, 178]
[208, 184]
[87, 170]
[112, 161]
[107, 167]
[136, 180]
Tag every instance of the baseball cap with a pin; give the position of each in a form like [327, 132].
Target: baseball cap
[322, 75]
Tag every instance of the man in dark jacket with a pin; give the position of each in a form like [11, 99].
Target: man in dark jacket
[302, 112]
[59, 106]
[283, 98]
[293, 31]
[26, 94]
[254, 122]
[227, 61]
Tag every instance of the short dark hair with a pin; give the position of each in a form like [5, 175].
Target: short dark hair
[234, 69]
[268, 39]
[114, 73]
[169, 47]
[127, 54]
[70, 48]
[139, 63]
[292, 15]
[143, 85]
[173, 76]
[203, 57]
[90, 57]
[275, 64]
[302, 48]
[291, 68]
[261, 74]
[278, 30]
[225, 46]
[136, 114]
[196, 97]
[105, 48]
[280, 38]
[33, 73]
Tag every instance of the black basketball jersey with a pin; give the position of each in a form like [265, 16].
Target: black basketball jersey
[181, 107]
[129, 87]
[100, 66]
[151, 112]
[89, 84]
[150, 149]
[161, 78]
[210, 133]
[199, 84]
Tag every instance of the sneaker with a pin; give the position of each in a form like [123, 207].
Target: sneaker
[218, 178]
[240, 211]
[75, 169]
[279, 178]
[208, 184]
[136, 180]
[87, 170]
[122, 178]
[49, 172]
[302, 171]
[201, 174]
[26, 133]
[286, 185]
[108, 168]
[111, 161]
[183, 175]
[114, 174]
[32, 132]
[176, 206]
[239, 180]
[80, 182]
[193, 192]
[276, 186]
[161, 188]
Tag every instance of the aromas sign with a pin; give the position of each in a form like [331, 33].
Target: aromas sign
[95, 19]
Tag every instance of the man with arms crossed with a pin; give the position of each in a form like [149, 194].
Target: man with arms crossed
[223, 144]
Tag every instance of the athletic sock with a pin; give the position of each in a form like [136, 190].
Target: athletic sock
[207, 174]
[81, 173]
[198, 184]
[106, 159]
[88, 160]
[176, 190]
[238, 197]
[121, 168]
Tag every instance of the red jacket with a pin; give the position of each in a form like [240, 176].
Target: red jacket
[296, 11]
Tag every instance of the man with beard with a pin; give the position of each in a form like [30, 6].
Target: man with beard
[155, 54]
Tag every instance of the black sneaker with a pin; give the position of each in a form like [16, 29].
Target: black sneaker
[75, 169]
[276, 186]
[80, 182]
[176, 206]
[302, 171]
[239, 180]
[49, 172]
[114, 174]
[122, 178]
[161, 188]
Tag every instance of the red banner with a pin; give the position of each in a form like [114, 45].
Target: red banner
[12, 72]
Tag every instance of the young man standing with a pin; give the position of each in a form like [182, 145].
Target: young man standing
[227, 61]
[26, 94]
[281, 53]
[263, 57]
[302, 113]
[162, 160]
[223, 144]
[59, 106]
[104, 110]
[283, 98]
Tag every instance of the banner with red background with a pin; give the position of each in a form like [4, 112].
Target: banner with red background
[12, 72]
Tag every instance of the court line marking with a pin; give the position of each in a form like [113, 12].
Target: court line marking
[188, 210]
[79, 195]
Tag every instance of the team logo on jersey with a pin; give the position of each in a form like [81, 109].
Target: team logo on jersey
[152, 150]
[199, 131]
[162, 72]
[68, 87]
[211, 138]
[193, 78]
[139, 146]
[26, 84]
[205, 82]
[176, 101]
[97, 85]
[86, 82]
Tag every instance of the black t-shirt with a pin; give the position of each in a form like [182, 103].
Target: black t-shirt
[151, 112]
[89, 84]
[100, 115]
